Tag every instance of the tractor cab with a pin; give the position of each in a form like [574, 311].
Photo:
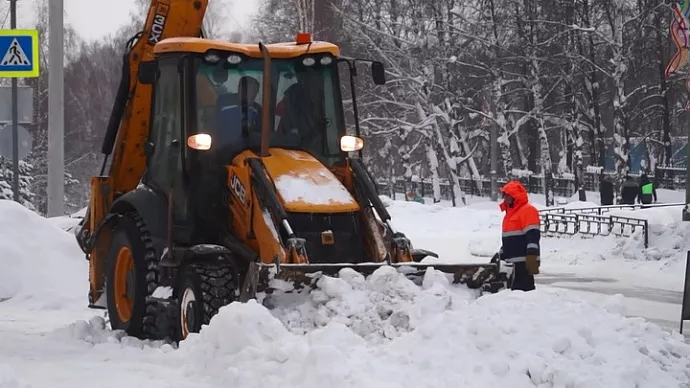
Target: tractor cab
[214, 100]
[228, 92]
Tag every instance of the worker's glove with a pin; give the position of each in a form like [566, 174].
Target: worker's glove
[532, 264]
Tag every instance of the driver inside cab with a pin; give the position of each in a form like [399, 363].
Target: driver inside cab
[238, 113]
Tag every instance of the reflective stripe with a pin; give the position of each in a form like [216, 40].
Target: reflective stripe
[520, 259]
[531, 227]
[533, 246]
[520, 232]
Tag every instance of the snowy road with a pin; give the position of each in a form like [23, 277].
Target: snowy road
[657, 305]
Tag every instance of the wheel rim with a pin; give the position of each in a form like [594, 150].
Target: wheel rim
[123, 284]
[187, 312]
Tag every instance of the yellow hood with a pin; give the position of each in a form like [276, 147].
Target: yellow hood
[307, 186]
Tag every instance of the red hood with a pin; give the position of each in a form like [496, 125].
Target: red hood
[516, 190]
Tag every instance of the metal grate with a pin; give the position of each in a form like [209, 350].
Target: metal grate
[348, 245]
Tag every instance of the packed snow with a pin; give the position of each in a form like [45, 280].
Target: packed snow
[39, 261]
[323, 189]
[379, 331]
[510, 339]
[383, 306]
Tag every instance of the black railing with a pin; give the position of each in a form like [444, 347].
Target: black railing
[564, 186]
[555, 224]
[606, 209]
[591, 221]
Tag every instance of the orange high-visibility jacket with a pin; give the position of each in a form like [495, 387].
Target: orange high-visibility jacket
[520, 226]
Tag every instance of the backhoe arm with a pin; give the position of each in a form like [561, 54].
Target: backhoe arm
[128, 127]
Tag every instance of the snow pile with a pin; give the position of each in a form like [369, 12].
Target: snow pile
[668, 233]
[8, 379]
[40, 262]
[382, 306]
[69, 223]
[516, 339]
[96, 332]
[66, 223]
[93, 331]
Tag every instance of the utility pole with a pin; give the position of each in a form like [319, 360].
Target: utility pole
[15, 114]
[686, 211]
[56, 110]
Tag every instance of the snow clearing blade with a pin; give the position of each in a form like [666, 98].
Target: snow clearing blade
[295, 277]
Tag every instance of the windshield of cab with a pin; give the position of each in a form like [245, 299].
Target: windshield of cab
[305, 109]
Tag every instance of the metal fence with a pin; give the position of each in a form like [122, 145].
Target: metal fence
[555, 224]
[592, 221]
[564, 186]
[606, 209]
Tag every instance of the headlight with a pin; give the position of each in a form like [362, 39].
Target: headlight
[200, 142]
[351, 143]
[234, 59]
[309, 61]
[211, 58]
[326, 61]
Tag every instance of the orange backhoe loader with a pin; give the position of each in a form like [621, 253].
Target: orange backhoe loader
[231, 174]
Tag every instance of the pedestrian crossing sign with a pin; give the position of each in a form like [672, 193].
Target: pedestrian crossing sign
[19, 54]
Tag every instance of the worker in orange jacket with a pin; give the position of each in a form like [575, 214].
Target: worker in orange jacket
[521, 235]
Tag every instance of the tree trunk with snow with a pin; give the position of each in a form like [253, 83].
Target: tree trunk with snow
[621, 136]
[661, 43]
[578, 160]
[498, 109]
[432, 159]
[546, 164]
[305, 15]
[545, 149]
[451, 161]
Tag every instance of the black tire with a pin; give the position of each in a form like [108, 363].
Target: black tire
[130, 232]
[203, 288]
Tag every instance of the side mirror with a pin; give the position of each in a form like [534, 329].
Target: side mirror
[200, 142]
[378, 73]
[351, 143]
[148, 72]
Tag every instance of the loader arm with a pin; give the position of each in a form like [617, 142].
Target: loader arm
[128, 126]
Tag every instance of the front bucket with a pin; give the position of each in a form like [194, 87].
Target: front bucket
[287, 277]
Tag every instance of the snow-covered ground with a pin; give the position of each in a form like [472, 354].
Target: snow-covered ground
[651, 279]
[576, 330]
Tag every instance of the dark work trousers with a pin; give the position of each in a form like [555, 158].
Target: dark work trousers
[521, 279]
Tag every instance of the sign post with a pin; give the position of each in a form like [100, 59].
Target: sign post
[25, 108]
[685, 307]
[18, 59]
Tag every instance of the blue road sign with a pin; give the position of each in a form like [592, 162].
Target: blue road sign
[19, 53]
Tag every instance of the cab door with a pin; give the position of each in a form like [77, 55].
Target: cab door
[166, 141]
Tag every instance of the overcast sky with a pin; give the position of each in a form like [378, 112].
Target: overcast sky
[94, 19]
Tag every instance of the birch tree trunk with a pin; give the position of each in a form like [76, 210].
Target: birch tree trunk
[621, 137]
[432, 159]
[305, 15]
